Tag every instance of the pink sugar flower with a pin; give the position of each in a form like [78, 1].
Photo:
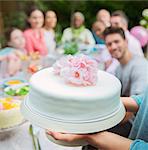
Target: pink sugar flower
[77, 70]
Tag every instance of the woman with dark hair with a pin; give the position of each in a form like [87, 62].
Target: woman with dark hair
[49, 30]
[35, 41]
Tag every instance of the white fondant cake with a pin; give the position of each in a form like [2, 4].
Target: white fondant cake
[9, 113]
[55, 105]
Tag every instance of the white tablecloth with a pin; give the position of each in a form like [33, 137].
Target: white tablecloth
[20, 139]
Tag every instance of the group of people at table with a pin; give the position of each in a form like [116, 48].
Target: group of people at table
[123, 56]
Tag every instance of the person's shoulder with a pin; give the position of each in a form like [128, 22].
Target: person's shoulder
[87, 30]
[6, 50]
[139, 62]
[67, 29]
[28, 32]
[140, 59]
[135, 41]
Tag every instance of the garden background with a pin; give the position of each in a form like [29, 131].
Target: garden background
[12, 13]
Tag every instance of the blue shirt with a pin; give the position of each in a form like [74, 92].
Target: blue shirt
[139, 129]
[97, 39]
[139, 145]
[6, 51]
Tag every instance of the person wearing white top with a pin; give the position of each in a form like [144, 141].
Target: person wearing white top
[77, 32]
[104, 16]
[119, 19]
[49, 33]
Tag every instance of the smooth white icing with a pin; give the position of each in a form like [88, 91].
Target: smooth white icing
[52, 97]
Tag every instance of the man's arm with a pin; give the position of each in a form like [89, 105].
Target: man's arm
[130, 104]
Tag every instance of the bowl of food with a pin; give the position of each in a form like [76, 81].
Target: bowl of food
[18, 91]
[10, 115]
[11, 82]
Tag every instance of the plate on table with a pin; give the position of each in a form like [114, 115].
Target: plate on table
[12, 128]
[17, 90]
[6, 133]
[13, 81]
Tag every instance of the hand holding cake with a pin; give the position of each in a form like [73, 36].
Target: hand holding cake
[74, 96]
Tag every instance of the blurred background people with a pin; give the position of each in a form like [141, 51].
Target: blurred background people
[78, 32]
[110, 63]
[98, 28]
[119, 19]
[104, 16]
[13, 53]
[49, 30]
[34, 35]
[15, 39]
[141, 34]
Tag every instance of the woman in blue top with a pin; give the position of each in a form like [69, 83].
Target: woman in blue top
[138, 139]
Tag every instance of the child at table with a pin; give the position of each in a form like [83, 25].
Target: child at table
[13, 53]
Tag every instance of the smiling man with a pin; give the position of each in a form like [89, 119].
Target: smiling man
[133, 74]
[133, 70]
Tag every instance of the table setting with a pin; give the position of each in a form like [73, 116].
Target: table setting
[17, 86]
[24, 135]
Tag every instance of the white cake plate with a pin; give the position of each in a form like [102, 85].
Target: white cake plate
[89, 126]
[2, 130]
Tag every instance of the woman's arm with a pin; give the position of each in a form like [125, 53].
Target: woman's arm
[29, 42]
[109, 141]
[103, 140]
[130, 104]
